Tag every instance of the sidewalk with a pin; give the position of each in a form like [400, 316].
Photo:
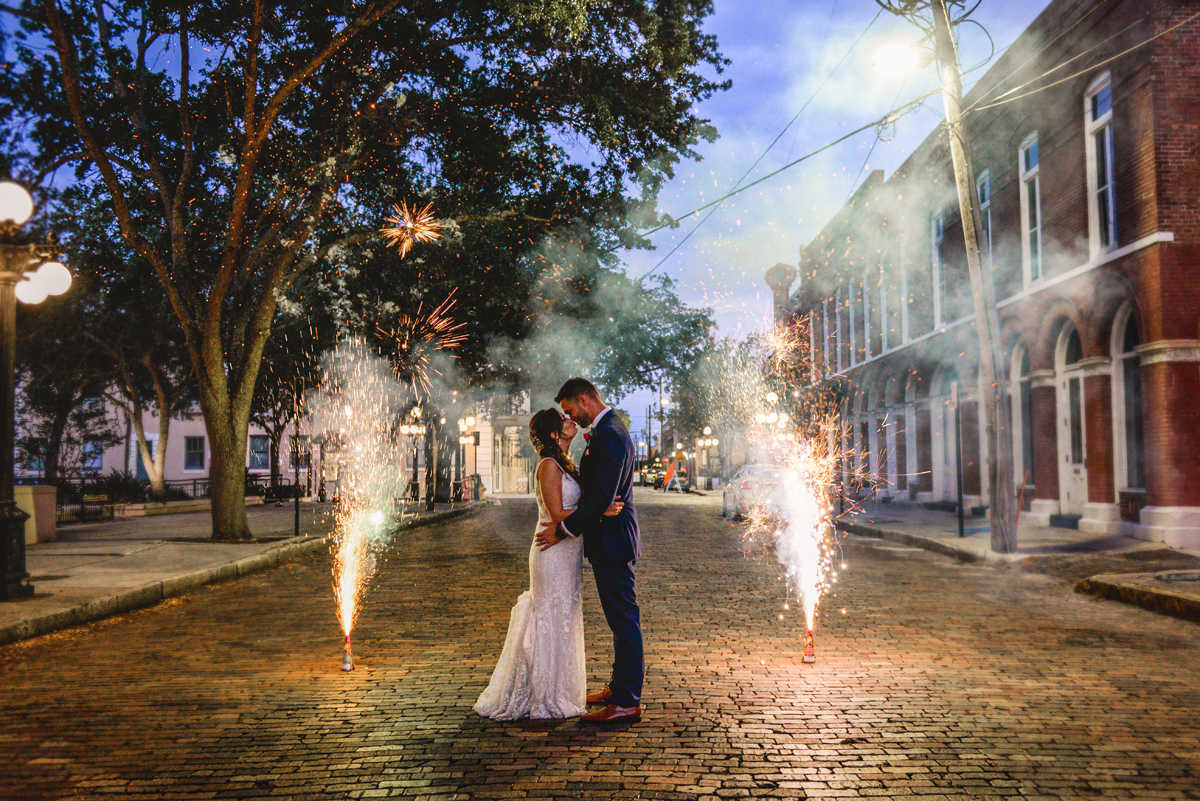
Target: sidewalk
[98, 570]
[1118, 568]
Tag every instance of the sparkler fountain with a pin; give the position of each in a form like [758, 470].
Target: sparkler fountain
[794, 520]
[356, 407]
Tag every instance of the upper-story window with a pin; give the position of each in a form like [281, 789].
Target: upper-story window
[983, 188]
[938, 237]
[1102, 208]
[1031, 210]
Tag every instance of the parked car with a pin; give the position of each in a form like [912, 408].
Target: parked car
[651, 475]
[752, 485]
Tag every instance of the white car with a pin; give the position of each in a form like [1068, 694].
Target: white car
[752, 485]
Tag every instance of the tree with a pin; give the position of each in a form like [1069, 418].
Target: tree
[61, 375]
[271, 139]
[126, 321]
[290, 370]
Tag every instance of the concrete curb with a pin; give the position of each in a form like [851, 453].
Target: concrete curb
[156, 591]
[1112, 587]
[916, 541]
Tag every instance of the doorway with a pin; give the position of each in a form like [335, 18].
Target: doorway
[1071, 441]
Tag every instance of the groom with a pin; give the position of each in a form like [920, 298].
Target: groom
[611, 544]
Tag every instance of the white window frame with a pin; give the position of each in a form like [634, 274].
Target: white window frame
[883, 308]
[825, 331]
[852, 308]
[937, 235]
[1032, 175]
[1092, 127]
[812, 348]
[203, 454]
[866, 312]
[837, 311]
[983, 191]
[250, 452]
[1123, 318]
[904, 299]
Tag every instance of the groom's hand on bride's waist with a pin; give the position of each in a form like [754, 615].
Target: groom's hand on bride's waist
[548, 536]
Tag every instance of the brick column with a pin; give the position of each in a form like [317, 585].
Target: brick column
[1171, 403]
[1101, 513]
[924, 449]
[968, 414]
[1043, 401]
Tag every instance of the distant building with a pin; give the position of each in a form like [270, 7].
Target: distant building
[1089, 183]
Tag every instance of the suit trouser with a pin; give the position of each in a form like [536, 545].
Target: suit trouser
[618, 596]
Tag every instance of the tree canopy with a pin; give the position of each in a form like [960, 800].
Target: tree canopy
[243, 144]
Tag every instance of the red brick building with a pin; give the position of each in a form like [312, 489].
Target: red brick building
[1089, 182]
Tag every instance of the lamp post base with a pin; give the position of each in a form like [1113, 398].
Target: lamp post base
[12, 553]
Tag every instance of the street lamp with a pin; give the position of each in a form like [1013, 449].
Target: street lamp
[17, 281]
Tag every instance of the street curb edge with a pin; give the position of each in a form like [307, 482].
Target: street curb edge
[1109, 587]
[911, 540]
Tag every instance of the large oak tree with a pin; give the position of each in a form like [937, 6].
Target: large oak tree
[243, 144]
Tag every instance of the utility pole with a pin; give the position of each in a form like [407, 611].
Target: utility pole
[992, 392]
[662, 434]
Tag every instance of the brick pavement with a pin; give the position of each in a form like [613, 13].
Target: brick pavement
[941, 680]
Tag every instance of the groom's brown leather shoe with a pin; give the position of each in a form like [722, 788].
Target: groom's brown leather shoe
[614, 714]
[600, 697]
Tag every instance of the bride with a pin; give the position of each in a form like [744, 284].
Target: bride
[541, 672]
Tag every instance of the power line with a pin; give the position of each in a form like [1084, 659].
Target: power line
[1039, 51]
[773, 143]
[1084, 71]
[887, 119]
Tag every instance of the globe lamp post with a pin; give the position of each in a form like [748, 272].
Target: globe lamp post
[26, 274]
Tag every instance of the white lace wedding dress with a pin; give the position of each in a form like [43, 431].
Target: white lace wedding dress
[541, 672]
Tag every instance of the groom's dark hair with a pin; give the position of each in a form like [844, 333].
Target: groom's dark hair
[576, 387]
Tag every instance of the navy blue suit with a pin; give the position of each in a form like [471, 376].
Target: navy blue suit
[612, 545]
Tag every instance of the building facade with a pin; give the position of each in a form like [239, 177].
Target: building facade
[1089, 188]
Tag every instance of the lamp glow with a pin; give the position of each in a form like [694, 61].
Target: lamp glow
[16, 206]
[30, 291]
[54, 278]
[898, 58]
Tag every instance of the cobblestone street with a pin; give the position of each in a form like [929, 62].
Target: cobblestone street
[940, 679]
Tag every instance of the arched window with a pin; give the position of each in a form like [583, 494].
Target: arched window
[1131, 380]
[1023, 398]
[1074, 352]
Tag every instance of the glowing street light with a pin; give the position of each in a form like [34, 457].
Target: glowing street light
[16, 206]
[18, 280]
[897, 58]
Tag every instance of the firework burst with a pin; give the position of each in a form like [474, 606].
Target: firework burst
[410, 226]
[414, 339]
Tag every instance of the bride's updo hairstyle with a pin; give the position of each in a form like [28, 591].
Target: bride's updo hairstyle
[543, 428]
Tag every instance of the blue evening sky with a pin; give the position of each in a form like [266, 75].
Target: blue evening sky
[780, 52]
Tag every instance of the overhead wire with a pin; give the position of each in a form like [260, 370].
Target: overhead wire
[763, 155]
[1066, 63]
[886, 119]
[1090, 68]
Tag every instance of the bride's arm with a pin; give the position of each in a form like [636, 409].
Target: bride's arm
[549, 476]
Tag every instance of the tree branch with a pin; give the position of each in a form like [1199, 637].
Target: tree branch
[65, 46]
